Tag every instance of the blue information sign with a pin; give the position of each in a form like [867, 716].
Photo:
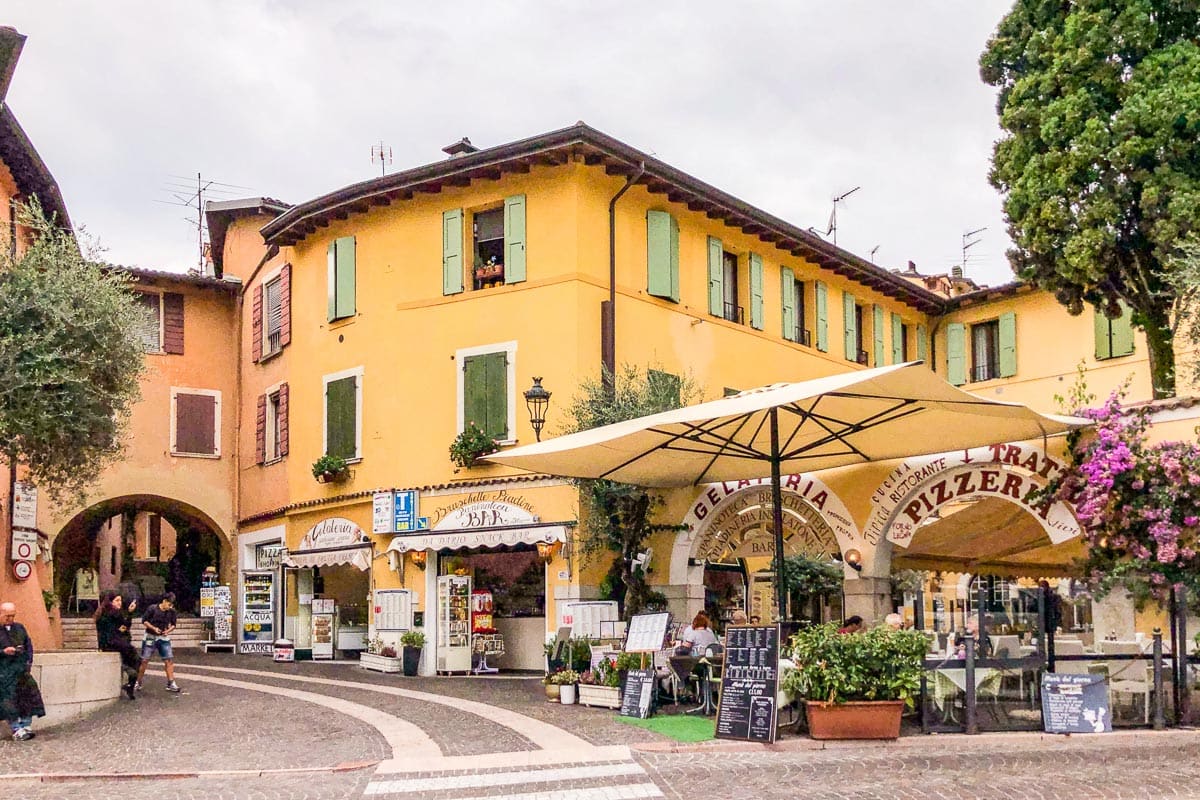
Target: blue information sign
[406, 512]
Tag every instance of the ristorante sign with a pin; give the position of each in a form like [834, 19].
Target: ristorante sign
[920, 486]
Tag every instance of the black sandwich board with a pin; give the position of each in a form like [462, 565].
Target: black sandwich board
[749, 707]
[639, 692]
[1075, 703]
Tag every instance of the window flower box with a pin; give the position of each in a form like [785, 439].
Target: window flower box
[599, 696]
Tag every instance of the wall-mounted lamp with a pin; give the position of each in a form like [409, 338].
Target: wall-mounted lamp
[854, 560]
[536, 400]
[546, 551]
[418, 558]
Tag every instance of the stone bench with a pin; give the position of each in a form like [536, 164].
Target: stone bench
[75, 683]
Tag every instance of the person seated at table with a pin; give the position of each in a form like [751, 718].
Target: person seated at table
[894, 621]
[852, 624]
[739, 618]
[697, 636]
[983, 643]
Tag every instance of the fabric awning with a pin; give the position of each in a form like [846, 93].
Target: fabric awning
[466, 539]
[356, 555]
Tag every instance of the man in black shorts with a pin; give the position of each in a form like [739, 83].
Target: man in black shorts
[159, 620]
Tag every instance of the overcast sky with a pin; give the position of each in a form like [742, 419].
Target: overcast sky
[785, 104]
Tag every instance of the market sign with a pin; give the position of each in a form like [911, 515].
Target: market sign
[25, 500]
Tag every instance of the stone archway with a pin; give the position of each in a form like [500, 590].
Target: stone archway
[149, 540]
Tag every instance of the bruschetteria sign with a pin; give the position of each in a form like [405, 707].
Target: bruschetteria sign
[916, 489]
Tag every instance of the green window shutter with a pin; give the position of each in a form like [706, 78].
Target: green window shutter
[756, 291]
[452, 251]
[922, 343]
[485, 393]
[1122, 332]
[331, 282]
[898, 354]
[822, 302]
[956, 353]
[662, 255]
[1008, 344]
[1102, 329]
[716, 292]
[849, 327]
[340, 422]
[787, 284]
[345, 277]
[877, 335]
[514, 238]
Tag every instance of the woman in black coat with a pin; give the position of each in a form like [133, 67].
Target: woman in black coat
[112, 635]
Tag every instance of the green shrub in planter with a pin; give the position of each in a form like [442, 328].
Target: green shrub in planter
[876, 664]
[470, 445]
[412, 639]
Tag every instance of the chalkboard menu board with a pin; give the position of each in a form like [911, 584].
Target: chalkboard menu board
[748, 708]
[1075, 703]
[639, 691]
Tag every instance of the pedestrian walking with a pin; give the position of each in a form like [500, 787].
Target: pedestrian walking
[113, 636]
[20, 698]
[159, 620]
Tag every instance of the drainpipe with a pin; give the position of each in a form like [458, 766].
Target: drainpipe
[608, 308]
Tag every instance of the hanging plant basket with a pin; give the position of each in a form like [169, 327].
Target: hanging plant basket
[471, 444]
[330, 469]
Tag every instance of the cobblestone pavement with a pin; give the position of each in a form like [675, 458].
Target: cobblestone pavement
[307, 786]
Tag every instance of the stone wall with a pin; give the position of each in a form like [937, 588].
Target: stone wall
[75, 684]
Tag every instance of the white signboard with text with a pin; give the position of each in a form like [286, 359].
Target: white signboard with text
[25, 501]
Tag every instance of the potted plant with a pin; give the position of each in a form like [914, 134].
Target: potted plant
[330, 469]
[601, 686]
[470, 445]
[581, 654]
[565, 680]
[626, 662]
[379, 657]
[413, 643]
[855, 685]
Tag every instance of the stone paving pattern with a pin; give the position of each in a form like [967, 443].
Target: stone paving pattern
[308, 786]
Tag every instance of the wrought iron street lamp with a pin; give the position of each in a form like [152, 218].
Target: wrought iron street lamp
[536, 399]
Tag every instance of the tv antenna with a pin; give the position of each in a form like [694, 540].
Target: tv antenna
[833, 215]
[969, 240]
[874, 250]
[381, 154]
[194, 200]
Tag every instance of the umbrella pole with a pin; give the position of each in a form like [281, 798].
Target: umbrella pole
[777, 515]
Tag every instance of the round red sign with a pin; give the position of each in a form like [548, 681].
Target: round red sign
[22, 569]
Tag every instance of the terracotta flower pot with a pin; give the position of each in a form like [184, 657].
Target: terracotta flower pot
[876, 719]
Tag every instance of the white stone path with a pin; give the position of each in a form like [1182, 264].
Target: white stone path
[561, 756]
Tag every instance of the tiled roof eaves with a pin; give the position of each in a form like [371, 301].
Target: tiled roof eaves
[147, 275]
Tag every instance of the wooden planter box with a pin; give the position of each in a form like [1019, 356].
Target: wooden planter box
[876, 719]
[599, 696]
[380, 663]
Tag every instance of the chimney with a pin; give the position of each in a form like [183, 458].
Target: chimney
[956, 271]
[460, 148]
[912, 268]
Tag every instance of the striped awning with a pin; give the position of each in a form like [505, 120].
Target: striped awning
[469, 539]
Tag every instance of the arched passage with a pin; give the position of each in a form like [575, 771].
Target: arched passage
[155, 542]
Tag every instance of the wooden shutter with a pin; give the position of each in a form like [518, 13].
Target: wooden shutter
[256, 324]
[787, 294]
[514, 238]
[662, 255]
[340, 417]
[283, 419]
[877, 334]
[331, 281]
[452, 251]
[716, 292]
[345, 277]
[956, 353]
[822, 303]
[195, 424]
[485, 393]
[1103, 331]
[898, 354]
[1008, 344]
[756, 291]
[1122, 333]
[285, 306]
[260, 431]
[149, 325]
[173, 323]
[922, 343]
[849, 327]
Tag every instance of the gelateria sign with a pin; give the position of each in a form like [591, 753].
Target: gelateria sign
[920, 486]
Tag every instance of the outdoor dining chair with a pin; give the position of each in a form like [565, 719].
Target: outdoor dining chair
[1127, 677]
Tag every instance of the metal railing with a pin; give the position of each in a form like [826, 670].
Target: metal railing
[733, 313]
[985, 371]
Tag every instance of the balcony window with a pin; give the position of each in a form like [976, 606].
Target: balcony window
[985, 351]
[729, 287]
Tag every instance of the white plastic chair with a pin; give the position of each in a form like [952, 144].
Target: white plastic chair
[1127, 677]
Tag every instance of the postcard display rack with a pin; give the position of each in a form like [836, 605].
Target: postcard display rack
[454, 623]
[258, 612]
[485, 640]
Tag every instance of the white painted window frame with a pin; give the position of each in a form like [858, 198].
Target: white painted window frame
[510, 351]
[161, 322]
[357, 374]
[216, 393]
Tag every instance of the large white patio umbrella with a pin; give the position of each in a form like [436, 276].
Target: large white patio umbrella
[851, 418]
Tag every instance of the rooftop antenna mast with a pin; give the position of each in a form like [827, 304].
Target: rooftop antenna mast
[969, 240]
[381, 154]
[193, 201]
[833, 215]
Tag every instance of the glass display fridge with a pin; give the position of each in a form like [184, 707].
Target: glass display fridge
[454, 623]
[258, 612]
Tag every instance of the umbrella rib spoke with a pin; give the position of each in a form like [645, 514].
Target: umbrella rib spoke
[689, 435]
[729, 441]
[903, 409]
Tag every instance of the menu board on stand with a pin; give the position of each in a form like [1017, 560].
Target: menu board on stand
[323, 613]
[748, 707]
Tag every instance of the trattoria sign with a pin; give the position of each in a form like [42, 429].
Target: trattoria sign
[920, 486]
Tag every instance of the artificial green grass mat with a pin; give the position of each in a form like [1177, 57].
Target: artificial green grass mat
[677, 726]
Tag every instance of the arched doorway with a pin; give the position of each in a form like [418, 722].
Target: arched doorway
[144, 543]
